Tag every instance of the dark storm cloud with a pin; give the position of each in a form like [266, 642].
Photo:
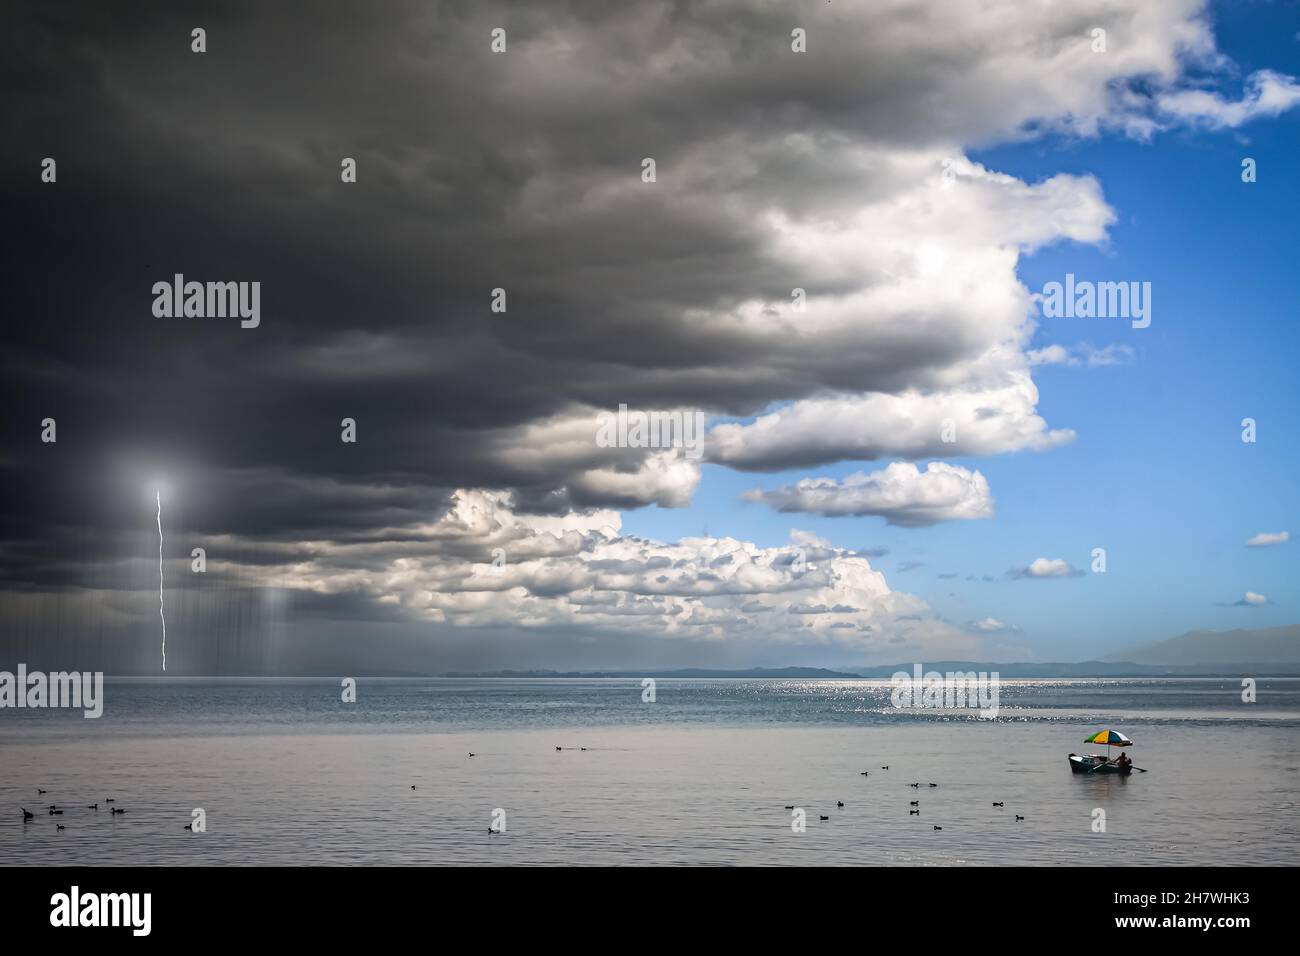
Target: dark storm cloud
[172, 162]
[476, 171]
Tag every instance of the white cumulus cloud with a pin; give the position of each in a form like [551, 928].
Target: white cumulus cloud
[989, 625]
[911, 425]
[1266, 538]
[1047, 568]
[1080, 355]
[902, 494]
[483, 565]
[1267, 94]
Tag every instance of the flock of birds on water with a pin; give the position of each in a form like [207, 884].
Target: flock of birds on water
[55, 810]
[915, 805]
[911, 803]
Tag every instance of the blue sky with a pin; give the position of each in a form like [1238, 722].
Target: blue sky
[1158, 474]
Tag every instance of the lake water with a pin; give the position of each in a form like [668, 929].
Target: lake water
[288, 774]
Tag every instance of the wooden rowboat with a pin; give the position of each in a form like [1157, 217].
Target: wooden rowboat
[1093, 763]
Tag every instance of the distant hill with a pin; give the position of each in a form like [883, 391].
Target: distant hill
[1271, 651]
[1007, 671]
[1274, 645]
[805, 673]
[1070, 669]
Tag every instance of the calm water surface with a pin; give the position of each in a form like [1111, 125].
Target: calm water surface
[288, 774]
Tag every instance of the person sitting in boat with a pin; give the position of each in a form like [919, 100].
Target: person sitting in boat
[1123, 762]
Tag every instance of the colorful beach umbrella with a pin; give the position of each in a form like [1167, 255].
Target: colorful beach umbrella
[1109, 738]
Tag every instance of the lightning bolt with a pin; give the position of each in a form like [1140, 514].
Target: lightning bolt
[158, 495]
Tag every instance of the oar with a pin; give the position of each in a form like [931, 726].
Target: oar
[1130, 766]
[1138, 769]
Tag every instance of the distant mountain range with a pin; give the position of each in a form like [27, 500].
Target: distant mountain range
[804, 673]
[1273, 645]
[1026, 670]
[1271, 651]
[1069, 669]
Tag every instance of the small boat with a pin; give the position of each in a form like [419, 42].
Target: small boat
[1095, 763]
